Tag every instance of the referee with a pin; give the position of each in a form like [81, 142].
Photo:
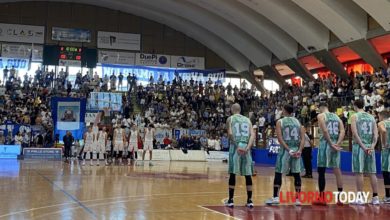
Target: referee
[307, 154]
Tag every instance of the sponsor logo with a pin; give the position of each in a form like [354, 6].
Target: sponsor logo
[327, 197]
[163, 60]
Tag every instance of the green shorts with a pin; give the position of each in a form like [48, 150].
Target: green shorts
[385, 159]
[361, 162]
[285, 163]
[240, 164]
[327, 156]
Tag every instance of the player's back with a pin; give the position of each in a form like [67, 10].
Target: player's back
[291, 134]
[364, 125]
[240, 126]
[386, 123]
[332, 123]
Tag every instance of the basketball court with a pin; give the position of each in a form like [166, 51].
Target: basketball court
[33, 189]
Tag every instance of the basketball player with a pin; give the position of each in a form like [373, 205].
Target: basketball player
[101, 145]
[331, 136]
[148, 143]
[291, 136]
[384, 131]
[133, 142]
[119, 141]
[365, 137]
[89, 139]
[241, 137]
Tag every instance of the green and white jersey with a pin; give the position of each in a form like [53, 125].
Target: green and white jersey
[241, 128]
[291, 132]
[332, 123]
[387, 126]
[365, 127]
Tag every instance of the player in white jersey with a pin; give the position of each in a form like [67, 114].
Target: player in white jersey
[148, 142]
[101, 145]
[119, 141]
[89, 139]
[133, 143]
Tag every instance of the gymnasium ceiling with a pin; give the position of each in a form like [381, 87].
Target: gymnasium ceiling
[258, 31]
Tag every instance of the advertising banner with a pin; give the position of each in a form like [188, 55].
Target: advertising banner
[116, 57]
[71, 35]
[9, 151]
[22, 33]
[17, 63]
[76, 63]
[161, 133]
[42, 153]
[22, 51]
[119, 41]
[159, 60]
[144, 73]
[187, 62]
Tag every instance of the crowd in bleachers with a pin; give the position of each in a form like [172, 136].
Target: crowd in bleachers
[183, 104]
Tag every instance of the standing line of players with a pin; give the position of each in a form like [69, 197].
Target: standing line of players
[124, 147]
[290, 134]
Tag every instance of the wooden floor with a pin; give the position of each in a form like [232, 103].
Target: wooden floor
[168, 190]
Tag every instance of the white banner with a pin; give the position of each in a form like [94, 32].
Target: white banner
[217, 155]
[144, 59]
[120, 41]
[17, 63]
[116, 57]
[187, 62]
[22, 51]
[161, 133]
[76, 63]
[22, 33]
[191, 155]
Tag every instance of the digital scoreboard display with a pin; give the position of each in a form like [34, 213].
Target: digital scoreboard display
[70, 53]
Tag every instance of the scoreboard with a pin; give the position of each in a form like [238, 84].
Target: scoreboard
[70, 53]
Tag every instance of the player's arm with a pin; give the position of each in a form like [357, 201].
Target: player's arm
[341, 134]
[251, 138]
[355, 134]
[383, 134]
[280, 136]
[229, 129]
[375, 135]
[302, 143]
[324, 129]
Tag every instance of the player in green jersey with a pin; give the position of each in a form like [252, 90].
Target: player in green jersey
[331, 136]
[384, 132]
[365, 137]
[241, 136]
[291, 136]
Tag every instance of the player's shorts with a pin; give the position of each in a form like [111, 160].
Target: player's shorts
[361, 162]
[148, 145]
[240, 164]
[101, 148]
[133, 146]
[285, 163]
[385, 159]
[89, 147]
[327, 156]
[118, 146]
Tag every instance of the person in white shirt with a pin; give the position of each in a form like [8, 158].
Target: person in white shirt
[261, 123]
[217, 144]
[148, 142]
[368, 102]
[119, 141]
[133, 143]
[101, 142]
[89, 139]
[18, 139]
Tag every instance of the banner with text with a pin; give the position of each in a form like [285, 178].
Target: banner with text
[144, 73]
[116, 57]
[17, 63]
[71, 35]
[187, 62]
[159, 60]
[22, 51]
[22, 33]
[120, 41]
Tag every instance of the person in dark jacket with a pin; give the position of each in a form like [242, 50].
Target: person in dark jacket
[68, 141]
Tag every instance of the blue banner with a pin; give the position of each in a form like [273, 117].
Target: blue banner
[17, 63]
[68, 115]
[9, 151]
[144, 73]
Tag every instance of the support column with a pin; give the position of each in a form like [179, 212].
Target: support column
[299, 69]
[331, 62]
[368, 53]
[271, 73]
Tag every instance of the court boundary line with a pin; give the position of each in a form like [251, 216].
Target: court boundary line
[213, 211]
[68, 195]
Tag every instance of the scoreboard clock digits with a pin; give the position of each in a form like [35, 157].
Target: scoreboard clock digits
[70, 53]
